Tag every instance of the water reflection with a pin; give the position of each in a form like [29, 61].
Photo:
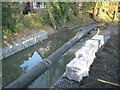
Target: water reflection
[48, 78]
[31, 62]
[16, 65]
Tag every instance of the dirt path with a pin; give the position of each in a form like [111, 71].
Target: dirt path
[105, 65]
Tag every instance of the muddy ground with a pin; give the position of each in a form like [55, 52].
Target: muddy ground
[105, 65]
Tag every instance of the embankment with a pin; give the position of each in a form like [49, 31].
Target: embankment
[22, 44]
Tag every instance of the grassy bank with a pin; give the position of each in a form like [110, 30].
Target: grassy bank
[34, 22]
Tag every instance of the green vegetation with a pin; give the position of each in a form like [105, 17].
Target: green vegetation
[9, 18]
[57, 15]
[106, 11]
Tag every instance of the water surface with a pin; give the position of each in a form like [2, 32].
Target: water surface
[16, 65]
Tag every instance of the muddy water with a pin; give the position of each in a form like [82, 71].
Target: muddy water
[49, 77]
[16, 65]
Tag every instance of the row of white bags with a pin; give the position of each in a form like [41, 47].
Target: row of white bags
[79, 67]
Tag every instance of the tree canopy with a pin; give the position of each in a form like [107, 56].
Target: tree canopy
[58, 13]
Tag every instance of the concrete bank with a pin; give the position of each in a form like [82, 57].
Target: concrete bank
[22, 44]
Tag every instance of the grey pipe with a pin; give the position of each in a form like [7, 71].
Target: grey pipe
[36, 71]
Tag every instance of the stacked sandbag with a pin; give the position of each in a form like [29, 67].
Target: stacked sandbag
[100, 39]
[79, 67]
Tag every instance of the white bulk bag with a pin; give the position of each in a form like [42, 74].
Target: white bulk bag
[92, 43]
[77, 68]
[86, 51]
[99, 38]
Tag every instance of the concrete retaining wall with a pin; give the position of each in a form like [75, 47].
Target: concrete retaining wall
[22, 44]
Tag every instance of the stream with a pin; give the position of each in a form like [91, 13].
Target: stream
[16, 65]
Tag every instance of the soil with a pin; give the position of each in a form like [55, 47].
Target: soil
[70, 25]
[104, 67]
[27, 32]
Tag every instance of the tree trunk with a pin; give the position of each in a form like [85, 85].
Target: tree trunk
[49, 8]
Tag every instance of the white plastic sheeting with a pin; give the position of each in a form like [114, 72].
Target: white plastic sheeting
[86, 51]
[99, 38]
[79, 67]
[92, 43]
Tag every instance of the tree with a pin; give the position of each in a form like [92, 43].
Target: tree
[50, 11]
[10, 10]
[58, 12]
[106, 11]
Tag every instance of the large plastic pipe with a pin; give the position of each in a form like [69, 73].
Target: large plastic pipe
[36, 71]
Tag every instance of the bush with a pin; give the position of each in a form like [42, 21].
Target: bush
[9, 19]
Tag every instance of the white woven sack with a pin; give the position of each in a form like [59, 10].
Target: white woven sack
[100, 39]
[77, 68]
[85, 51]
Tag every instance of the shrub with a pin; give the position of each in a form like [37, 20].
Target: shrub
[9, 19]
